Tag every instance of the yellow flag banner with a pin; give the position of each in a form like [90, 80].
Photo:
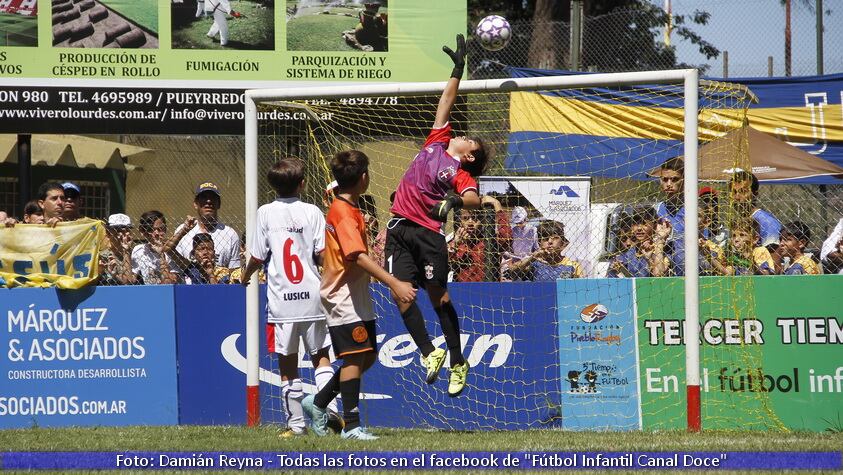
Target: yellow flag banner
[35, 255]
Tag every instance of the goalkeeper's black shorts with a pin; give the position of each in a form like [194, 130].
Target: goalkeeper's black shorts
[415, 254]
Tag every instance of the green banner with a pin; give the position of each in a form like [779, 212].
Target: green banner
[771, 352]
[236, 40]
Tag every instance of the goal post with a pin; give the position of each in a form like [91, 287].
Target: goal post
[692, 272]
[687, 79]
[253, 289]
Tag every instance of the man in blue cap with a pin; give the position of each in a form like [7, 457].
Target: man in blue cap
[72, 201]
[226, 241]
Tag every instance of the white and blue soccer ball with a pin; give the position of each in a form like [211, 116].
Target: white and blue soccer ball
[493, 32]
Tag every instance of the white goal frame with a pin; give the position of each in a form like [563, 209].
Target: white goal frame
[688, 77]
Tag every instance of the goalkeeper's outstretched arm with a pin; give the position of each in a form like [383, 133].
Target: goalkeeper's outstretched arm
[449, 95]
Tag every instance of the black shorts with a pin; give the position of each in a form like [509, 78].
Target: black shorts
[415, 254]
[351, 338]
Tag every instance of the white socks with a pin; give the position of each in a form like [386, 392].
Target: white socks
[291, 396]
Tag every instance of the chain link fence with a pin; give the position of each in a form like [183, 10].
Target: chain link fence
[745, 38]
[749, 37]
[167, 180]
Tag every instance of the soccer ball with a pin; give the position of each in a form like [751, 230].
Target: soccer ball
[493, 32]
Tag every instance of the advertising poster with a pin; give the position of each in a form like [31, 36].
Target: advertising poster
[771, 352]
[163, 67]
[562, 199]
[506, 331]
[597, 354]
[226, 40]
[98, 356]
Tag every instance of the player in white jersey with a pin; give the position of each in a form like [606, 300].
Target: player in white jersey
[292, 232]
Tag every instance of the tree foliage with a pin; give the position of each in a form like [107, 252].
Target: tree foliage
[618, 35]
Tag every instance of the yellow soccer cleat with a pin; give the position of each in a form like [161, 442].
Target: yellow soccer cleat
[433, 362]
[456, 382]
[289, 433]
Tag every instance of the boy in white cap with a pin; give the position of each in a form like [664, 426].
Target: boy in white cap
[116, 261]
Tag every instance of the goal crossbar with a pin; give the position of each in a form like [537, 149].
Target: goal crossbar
[672, 76]
[689, 78]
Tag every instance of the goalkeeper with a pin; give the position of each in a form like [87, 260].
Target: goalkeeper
[415, 248]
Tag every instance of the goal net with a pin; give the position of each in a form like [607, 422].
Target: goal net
[556, 336]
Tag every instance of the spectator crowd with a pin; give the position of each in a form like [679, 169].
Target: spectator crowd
[489, 244]
[201, 250]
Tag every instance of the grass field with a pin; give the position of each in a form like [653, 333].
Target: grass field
[142, 12]
[319, 33]
[256, 31]
[196, 439]
[17, 30]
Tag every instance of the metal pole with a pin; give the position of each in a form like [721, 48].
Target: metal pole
[492, 254]
[24, 171]
[576, 33]
[668, 27]
[787, 39]
[769, 66]
[820, 32]
[725, 64]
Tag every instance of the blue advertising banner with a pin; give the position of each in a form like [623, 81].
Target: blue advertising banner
[598, 354]
[514, 378]
[513, 384]
[211, 329]
[96, 356]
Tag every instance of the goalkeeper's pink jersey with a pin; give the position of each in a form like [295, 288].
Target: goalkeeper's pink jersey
[431, 175]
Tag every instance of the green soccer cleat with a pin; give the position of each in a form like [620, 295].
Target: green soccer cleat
[318, 416]
[433, 362]
[456, 382]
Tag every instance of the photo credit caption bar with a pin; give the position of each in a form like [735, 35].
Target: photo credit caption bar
[422, 460]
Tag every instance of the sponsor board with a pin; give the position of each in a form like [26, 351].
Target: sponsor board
[771, 352]
[96, 356]
[563, 199]
[287, 43]
[597, 354]
[504, 365]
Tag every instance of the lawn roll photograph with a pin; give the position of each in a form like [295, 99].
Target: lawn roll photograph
[105, 24]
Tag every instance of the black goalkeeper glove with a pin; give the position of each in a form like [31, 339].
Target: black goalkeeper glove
[457, 57]
[441, 209]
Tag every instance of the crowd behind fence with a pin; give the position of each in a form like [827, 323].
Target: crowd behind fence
[738, 235]
[167, 181]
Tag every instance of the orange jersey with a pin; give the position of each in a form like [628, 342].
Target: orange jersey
[345, 285]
